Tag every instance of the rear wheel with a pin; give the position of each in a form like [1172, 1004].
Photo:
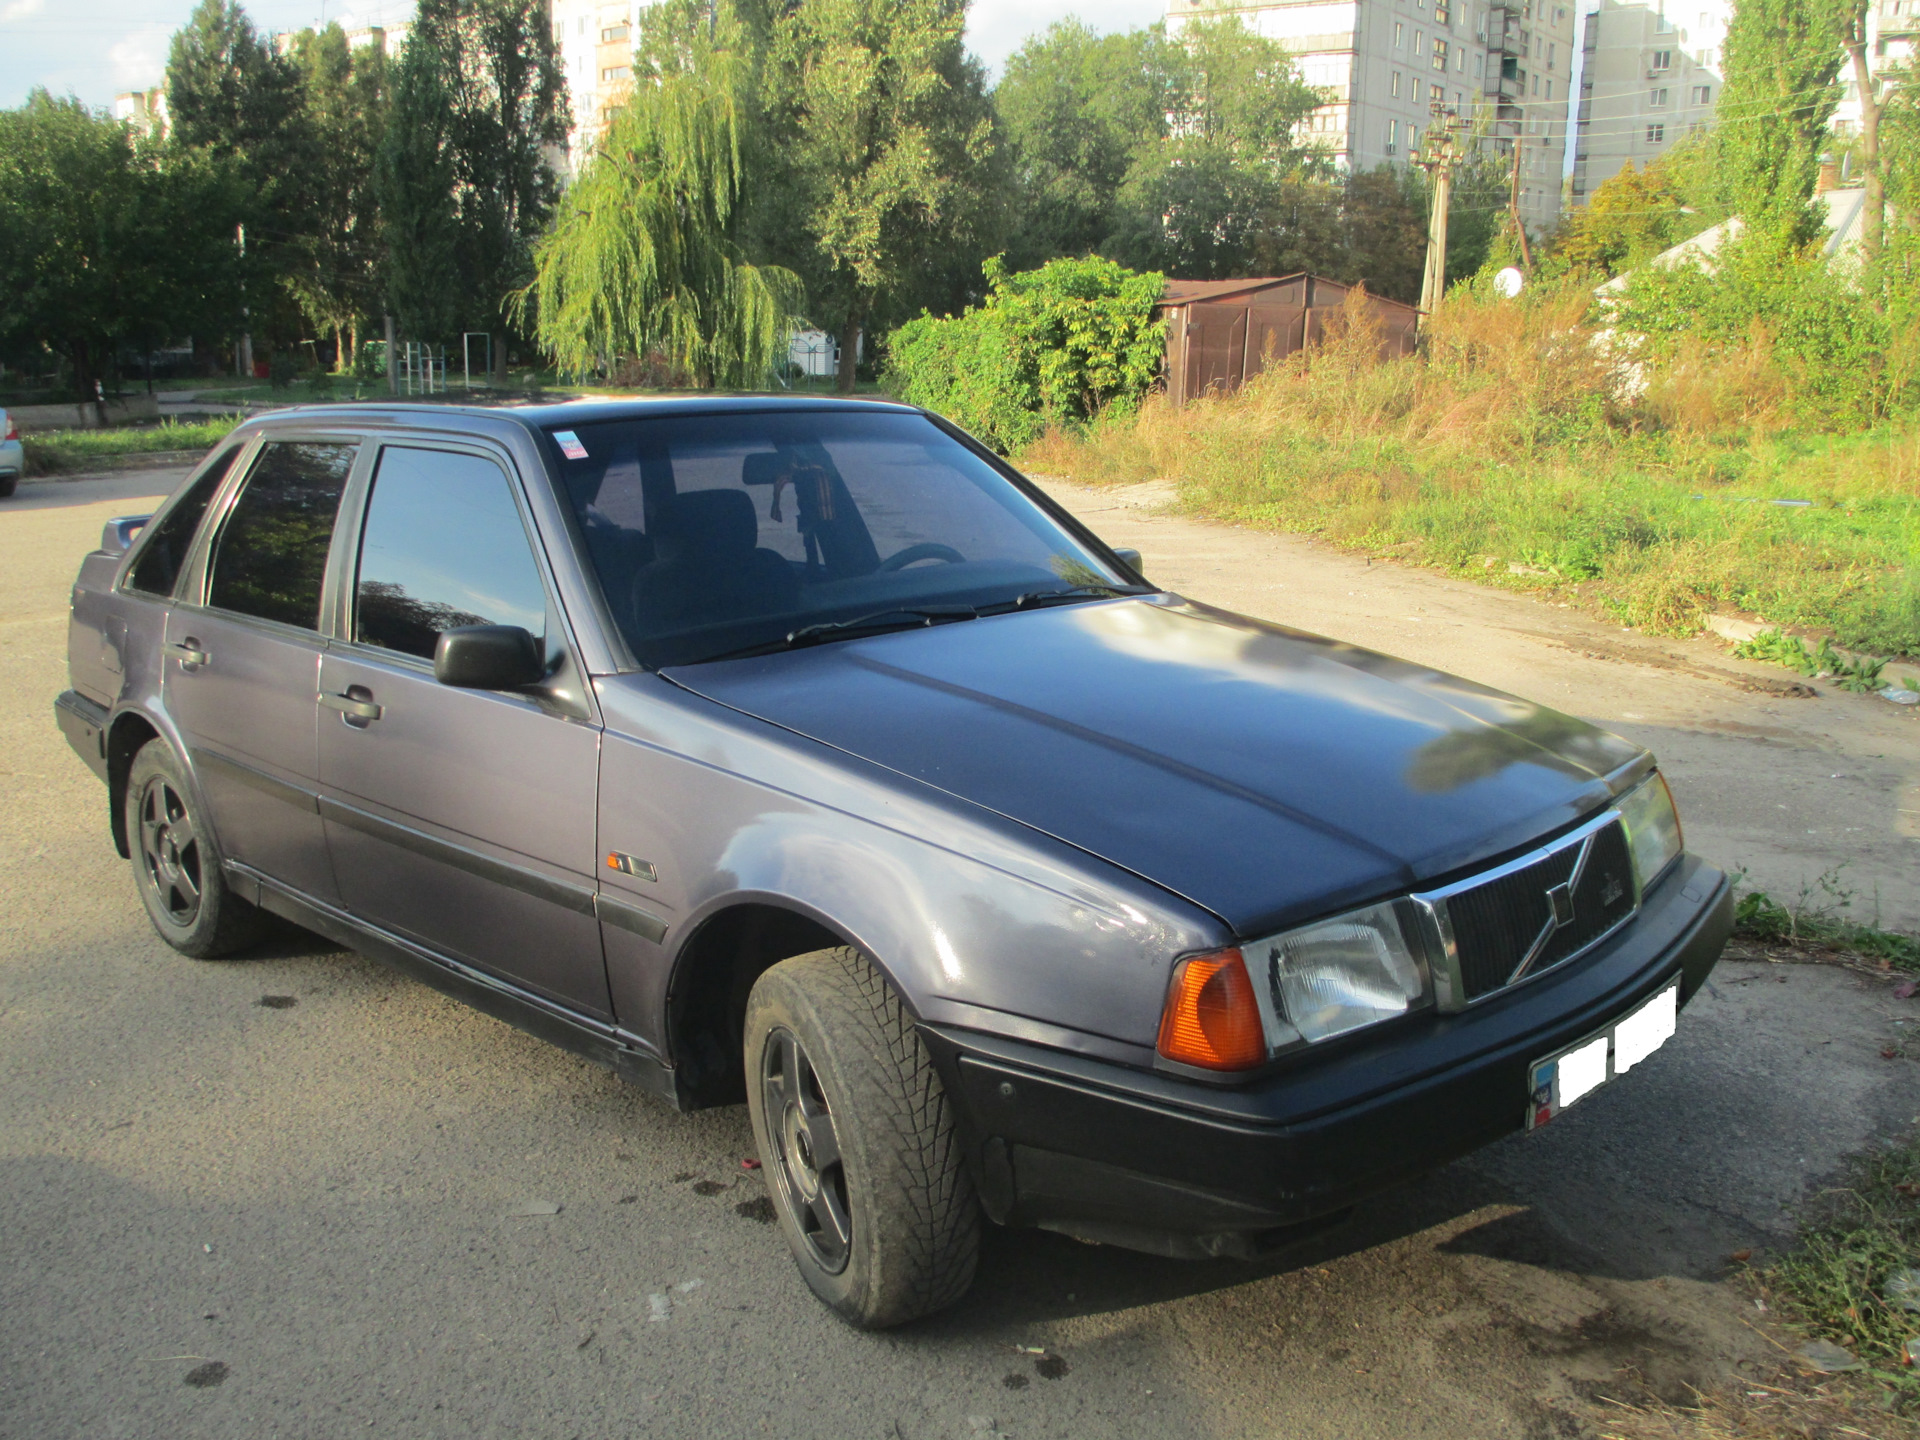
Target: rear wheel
[176, 865]
[856, 1141]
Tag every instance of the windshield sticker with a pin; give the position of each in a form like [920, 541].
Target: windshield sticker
[570, 445]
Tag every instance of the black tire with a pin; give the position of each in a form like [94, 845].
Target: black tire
[7, 484]
[828, 1041]
[176, 862]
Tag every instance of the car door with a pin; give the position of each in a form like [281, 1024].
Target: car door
[460, 819]
[241, 664]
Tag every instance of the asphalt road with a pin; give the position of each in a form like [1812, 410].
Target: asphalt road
[287, 1196]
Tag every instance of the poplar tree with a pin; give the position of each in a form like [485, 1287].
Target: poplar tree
[1783, 60]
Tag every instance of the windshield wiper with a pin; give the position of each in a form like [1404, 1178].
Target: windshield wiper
[895, 617]
[1069, 592]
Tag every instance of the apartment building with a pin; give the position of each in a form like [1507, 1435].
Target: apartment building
[1505, 68]
[145, 110]
[1645, 85]
[387, 39]
[596, 40]
[1893, 38]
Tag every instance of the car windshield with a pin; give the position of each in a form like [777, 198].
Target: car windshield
[725, 534]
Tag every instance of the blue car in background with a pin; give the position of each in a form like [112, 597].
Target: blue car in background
[13, 455]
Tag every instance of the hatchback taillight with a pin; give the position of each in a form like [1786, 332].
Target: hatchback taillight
[13, 429]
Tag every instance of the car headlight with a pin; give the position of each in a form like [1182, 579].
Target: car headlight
[1303, 986]
[1653, 829]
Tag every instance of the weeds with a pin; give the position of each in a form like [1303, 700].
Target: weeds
[1838, 1282]
[1817, 920]
[1509, 444]
[1858, 673]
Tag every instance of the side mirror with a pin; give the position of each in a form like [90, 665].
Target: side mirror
[1131, 559]
[488, 657]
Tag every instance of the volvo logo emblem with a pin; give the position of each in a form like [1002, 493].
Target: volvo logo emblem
[1560, 897]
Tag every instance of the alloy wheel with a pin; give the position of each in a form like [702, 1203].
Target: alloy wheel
[170, 850]
[807, 1164]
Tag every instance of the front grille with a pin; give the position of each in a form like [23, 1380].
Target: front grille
[1510, 919]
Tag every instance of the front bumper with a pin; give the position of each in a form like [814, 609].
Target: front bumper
[1154, 1162]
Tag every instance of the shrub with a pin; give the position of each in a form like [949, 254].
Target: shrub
[1055, 346]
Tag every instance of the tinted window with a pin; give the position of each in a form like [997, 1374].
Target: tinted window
[272, 552]
[713, 534]
[443, 546]
[164, 549]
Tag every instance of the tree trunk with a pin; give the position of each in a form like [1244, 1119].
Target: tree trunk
[497, 346]
[353, 346]
[1873, 211]
[849, 350]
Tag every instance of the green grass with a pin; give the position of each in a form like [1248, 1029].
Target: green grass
[66, 451]
[1506, 454]
[1833, 1284]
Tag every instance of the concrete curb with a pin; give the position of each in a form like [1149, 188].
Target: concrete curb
[107, 464]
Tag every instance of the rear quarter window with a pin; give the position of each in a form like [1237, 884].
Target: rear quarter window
[163, 548]
[271, 556]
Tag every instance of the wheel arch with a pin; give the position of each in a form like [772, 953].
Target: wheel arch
[127, 732]
[729, 944]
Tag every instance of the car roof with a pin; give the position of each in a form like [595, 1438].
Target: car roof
[569, 412]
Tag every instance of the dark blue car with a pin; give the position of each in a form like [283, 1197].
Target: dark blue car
[801, 753]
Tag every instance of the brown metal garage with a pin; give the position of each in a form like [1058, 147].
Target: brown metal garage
[1221, 333]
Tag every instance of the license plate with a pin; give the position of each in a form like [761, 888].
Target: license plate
[1583, 1067]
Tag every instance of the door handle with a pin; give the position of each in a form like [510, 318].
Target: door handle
[188, 653]
[351, 705]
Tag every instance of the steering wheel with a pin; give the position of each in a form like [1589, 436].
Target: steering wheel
[926, 550]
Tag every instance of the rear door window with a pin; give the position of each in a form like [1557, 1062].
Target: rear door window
[271, 557]
[443, 546]
[163, 551]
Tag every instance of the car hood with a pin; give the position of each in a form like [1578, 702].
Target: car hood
[1264, 773]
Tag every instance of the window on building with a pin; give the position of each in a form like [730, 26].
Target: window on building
[1460, 58]
[614, 73]
[1658, 98]
[1479, 64]
[1419, 45]
[1549, 89]
[613, 33]
[1442, 12]
[1656, 134]
[1439, 54]
[1663, 59]
[1398, 31]
[1395, 86]
[1703, 94]
[580, 26]
[1550, 50]
[1536, 85]
[1393, 136]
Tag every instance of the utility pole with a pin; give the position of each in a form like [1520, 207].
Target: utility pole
[1438, 162]
[1513, 209]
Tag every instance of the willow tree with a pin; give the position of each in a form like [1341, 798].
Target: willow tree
[643, 258]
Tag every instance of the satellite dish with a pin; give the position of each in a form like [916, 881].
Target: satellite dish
[1510, 282]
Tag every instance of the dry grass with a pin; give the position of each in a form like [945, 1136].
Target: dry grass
[1510, 442]
[1791, 1407]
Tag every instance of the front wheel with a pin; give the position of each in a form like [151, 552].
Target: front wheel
[856, 1141]
[176, 866]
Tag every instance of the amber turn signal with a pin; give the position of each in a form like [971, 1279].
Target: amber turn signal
[1212, 1019]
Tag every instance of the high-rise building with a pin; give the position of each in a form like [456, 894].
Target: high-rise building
[1893, 38]
[1645, 85]
[145, 110]
[596, 40]
[1504, 68]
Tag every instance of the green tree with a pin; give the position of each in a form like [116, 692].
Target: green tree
[415, 179]
[495, 67]
[1194, 197]
[1633, 216]
[644, 258]
[1783, 58]
[1078, 110]
[237, 102]
[105, 237]
[334, 270]
[884, 171]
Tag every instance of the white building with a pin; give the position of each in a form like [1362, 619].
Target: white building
[1644, 86]
[596, 39]
[387, 39]
[1504, 67]
[1893, 36]
[145, 110]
